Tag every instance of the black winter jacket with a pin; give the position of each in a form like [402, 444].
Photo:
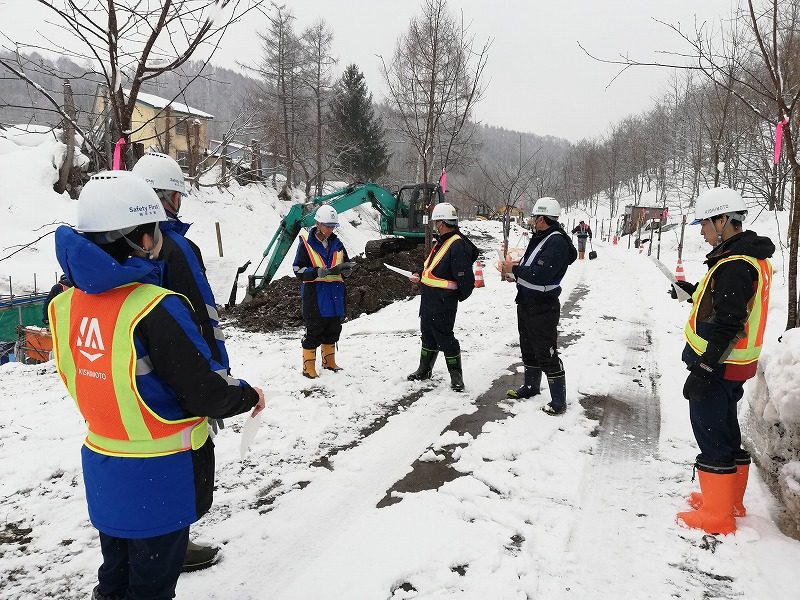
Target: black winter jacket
[548, 268]
[723, 311]
[456, 266]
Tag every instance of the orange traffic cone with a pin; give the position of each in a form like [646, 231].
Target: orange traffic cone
[479, 274]
[679, 276]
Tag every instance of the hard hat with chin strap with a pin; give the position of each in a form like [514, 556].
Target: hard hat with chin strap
[117, 201]
[327, 215]
[717, 202]
[546, 207]
[444, 211]
[161, 172]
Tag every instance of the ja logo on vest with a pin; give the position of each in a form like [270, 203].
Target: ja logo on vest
[90, 338]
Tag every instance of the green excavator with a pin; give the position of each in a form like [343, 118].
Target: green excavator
[403, 218]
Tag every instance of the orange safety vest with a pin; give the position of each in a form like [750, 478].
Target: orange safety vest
[747, 349]
[428, 278]
[95, 356]
[318, 261]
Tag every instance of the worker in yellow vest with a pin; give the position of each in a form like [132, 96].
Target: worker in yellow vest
[724, 335]
[447, 279]
[134, 360]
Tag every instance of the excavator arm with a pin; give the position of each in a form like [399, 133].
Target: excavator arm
[302, 215]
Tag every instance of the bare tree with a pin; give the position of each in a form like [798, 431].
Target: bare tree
[434, 81]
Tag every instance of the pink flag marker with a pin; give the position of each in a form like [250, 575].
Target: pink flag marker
[443, 181]
[118, 155]
[778, 141]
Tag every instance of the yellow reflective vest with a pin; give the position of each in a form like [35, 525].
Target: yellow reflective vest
[318, 261]
[434, 258]
[746, 350]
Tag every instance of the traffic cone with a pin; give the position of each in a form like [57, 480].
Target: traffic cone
[679, 276]
[479, 274]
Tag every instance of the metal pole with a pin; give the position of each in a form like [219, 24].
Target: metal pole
[680, 244]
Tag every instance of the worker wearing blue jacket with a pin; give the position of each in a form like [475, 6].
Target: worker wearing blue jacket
[321, 263]
[131, 356]
[185, 273]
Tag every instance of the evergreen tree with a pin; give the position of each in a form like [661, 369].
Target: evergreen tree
[355, 129]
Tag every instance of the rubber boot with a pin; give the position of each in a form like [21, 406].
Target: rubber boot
[742, 473]
[531, 387]
[310, 363]
[329, 358]
[716, 514]
[96, 595]
[456, 375]
[199, 557]
[426, 359]
[558, 396]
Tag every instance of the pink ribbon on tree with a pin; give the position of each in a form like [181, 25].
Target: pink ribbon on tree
[118, 163]
[443, 181]
[778, 141]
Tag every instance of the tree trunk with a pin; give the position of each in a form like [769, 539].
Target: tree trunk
[794, 230]
[68, 137]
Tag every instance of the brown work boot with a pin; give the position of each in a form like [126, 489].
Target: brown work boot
[329, 357]
[310, 363]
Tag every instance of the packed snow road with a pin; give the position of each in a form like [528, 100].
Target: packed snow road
[330, 501]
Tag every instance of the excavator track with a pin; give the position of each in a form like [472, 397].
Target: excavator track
[380, 248]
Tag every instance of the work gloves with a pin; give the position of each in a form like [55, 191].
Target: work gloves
[700, 382]
[345, 269]
[215, 425]
[687, 287]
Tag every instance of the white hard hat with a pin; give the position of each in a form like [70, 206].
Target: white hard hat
[720, 201]
[444, 211]
[546, 207]
[327, 215]
[117, 200]
[161, 171]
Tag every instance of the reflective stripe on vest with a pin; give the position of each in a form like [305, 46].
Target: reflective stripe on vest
[529, 262]
[95, 356]
[428, 278]
[748, 347]
[318, 261]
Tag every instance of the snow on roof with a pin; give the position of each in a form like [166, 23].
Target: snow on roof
[159, 102]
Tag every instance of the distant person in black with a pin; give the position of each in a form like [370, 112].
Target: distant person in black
[62, 285]
[447, 279]
[584, 232]
[538, 276]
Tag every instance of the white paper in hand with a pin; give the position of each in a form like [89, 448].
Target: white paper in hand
[249, 431]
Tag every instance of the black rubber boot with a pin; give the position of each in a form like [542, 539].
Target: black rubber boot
[426, 360]
[531, 387]
[96, 595]
[456, 376]
[558, 396]
[199, 557]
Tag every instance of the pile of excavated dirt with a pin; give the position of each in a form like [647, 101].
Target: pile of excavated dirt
[371, 287]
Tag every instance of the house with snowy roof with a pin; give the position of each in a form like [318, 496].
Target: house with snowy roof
[165, 125]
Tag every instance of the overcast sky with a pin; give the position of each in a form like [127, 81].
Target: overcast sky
[537, 78]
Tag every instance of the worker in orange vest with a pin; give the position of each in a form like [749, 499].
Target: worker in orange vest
[133, 358]
[724, 335]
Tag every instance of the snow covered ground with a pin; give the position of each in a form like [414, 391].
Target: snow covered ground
[520, 506]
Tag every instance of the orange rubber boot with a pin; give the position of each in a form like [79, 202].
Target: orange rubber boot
[695, 499]
[329, 357]
[716, 514]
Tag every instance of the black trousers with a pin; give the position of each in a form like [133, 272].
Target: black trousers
[321, 330]
[143, 569]
[538, 335]
[437, 317]
[716, 425]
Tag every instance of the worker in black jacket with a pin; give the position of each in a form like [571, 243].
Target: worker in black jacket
[185, 273]
[62, 285]
[447, 279]
[584, 232]
[538, 276]
[724, 335]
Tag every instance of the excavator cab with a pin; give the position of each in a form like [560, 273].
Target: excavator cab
[412, 208]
